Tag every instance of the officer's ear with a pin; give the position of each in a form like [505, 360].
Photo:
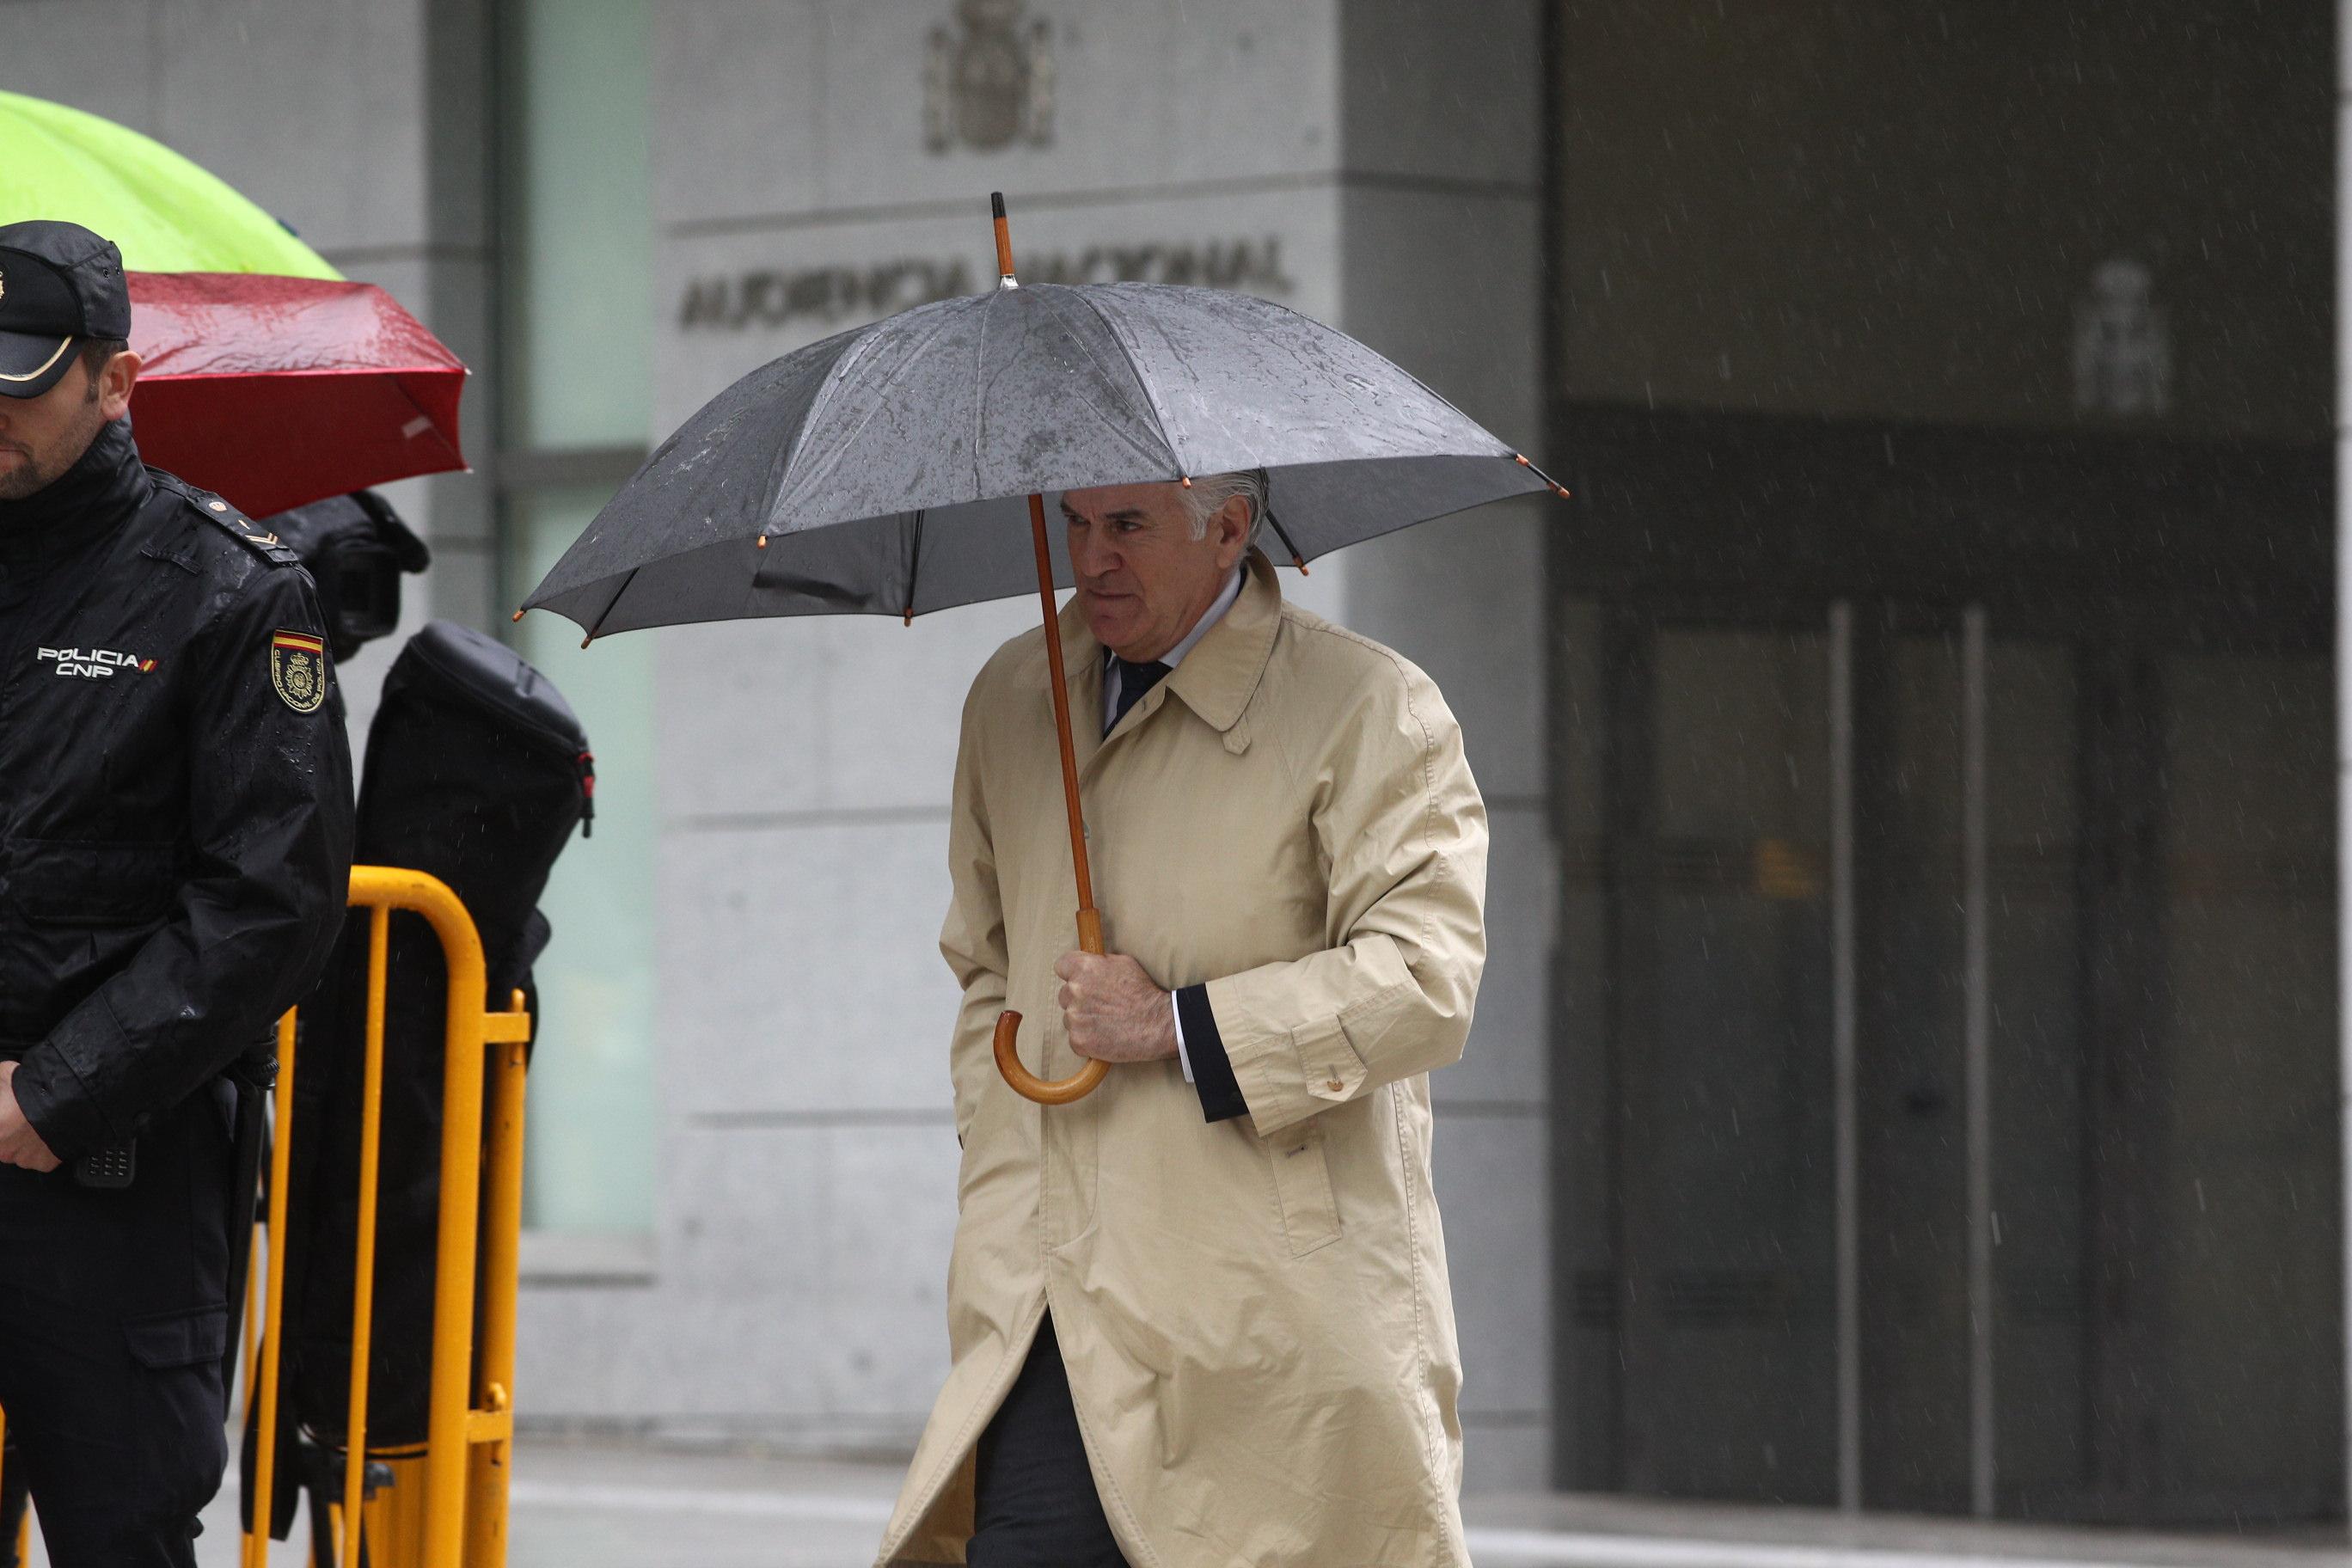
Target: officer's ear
[112, 385]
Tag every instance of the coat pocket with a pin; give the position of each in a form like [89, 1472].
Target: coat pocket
[161, 1340]
[1302, 1184]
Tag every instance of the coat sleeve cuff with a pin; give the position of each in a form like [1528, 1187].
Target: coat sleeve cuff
[1204, 1052]
[53, 1098]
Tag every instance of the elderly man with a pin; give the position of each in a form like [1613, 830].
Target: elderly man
[1201, 1317]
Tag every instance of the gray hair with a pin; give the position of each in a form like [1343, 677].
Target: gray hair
[1210, 491]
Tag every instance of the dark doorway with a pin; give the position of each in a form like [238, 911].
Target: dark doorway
[1948, 1047]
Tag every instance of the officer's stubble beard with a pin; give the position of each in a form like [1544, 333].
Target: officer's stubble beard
[44, 467]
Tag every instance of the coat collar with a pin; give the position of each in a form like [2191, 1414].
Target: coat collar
[1216, 679]
[103, 488]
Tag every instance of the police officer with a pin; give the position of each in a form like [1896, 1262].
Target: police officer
[175, 835]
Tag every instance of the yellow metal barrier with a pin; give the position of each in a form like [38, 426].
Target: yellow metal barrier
[262, 1373]
[24, 1525]
[457, 1518]
[460, 1520]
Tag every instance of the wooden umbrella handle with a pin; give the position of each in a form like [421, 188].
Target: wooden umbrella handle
[1027, 1084]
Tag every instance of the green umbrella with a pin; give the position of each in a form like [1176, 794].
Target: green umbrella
[166, 214]
[267, 377]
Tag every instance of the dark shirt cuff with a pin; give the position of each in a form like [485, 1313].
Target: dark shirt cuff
[1213, 1070]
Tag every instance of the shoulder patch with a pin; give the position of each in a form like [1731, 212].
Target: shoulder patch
[230, 520]
[298, 668]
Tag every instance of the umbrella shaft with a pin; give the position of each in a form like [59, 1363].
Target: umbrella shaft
[1089, 924]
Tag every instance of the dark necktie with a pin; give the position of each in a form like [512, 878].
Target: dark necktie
[1134, 680]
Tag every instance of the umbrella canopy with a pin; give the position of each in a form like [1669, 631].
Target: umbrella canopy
[277, 391]
[164, 213]
[885, 470]
[268, 378]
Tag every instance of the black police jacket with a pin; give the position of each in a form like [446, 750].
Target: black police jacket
[175, 794]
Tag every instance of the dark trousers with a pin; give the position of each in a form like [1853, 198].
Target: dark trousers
[1037, 1506]
[113, 1324]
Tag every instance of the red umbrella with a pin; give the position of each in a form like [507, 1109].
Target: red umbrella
[275, 392]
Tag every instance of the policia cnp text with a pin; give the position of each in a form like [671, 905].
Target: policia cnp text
[176, 833]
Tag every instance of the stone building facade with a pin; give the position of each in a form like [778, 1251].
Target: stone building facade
[779, 1275]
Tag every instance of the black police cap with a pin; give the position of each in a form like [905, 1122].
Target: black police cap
[59, 282]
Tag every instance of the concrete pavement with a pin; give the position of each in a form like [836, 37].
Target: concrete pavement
[615, 1504]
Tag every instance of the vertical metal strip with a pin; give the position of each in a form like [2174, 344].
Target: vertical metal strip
[449, 1411]
[2344, 679]
[1843, 1010]
[2343, 810]
[501, 1226]
[1975, 896]
[273, 1317]
[252, 1329]
[363, 1265]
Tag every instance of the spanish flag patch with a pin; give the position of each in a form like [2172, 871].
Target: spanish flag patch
[298, 670]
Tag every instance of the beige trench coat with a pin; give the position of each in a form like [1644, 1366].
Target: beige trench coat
[1254, 1314]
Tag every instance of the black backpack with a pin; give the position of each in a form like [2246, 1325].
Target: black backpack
[357, 548]
[477, 771]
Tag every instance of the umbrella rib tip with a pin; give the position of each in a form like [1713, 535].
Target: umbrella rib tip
[518, 614]
[1556, 488]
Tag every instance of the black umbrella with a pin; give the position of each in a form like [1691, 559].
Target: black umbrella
[895, 468]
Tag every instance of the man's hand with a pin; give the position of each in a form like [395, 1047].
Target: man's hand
[19, 1144]
[1112, 1011]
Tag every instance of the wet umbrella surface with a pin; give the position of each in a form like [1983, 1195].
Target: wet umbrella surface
[277, 391]
[886, 469]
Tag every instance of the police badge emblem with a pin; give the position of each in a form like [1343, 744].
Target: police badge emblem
[298, 668]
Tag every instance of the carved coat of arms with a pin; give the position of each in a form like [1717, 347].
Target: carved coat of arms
[993, 86]
[2123, 344]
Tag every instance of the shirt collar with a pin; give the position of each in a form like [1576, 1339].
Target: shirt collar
[1209, 617]
[1222, 675]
